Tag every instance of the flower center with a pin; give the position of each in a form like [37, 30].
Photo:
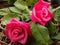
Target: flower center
[16, 32]
[44, 12]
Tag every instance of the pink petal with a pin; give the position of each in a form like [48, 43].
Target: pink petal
[14, 39]
[41, 4]
[14, 20]
[24, 40]
[26, 26]
[6, 32]
[34, 18]
[10, 25]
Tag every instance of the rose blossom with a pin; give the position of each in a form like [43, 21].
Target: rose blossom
[18, 31]
[40, 13]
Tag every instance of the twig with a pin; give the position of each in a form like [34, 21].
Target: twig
[2, 28]
[56, 24]
[10, 43]
[3, 42]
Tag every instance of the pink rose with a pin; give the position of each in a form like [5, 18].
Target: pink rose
[40, 13]
[18, 31]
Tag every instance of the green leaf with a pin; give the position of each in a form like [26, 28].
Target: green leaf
[11, 2]
[57, 37]
[31, 2]
[27, 2]
[31, 41]
[40, 33]
[8, 17]
[22, 2]
[4, 11]
[19, 5]
[51, 28]
[15, 10]
[57, 14]
[25, 17]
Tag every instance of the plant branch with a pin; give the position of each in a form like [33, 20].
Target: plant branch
[2, 28]
[3, 42]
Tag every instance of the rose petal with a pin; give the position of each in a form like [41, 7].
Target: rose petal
[14, 20]
[41, 4]
[15, 39]
[6, 32]
[35, 18]
[26, 26]
[24, 40]
[11, 25]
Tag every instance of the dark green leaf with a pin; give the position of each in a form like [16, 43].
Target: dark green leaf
[31, 41]
[51, 28]
[11, 2]
[26, 17]
[31, 2]
[57, 14]
[40, 33]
